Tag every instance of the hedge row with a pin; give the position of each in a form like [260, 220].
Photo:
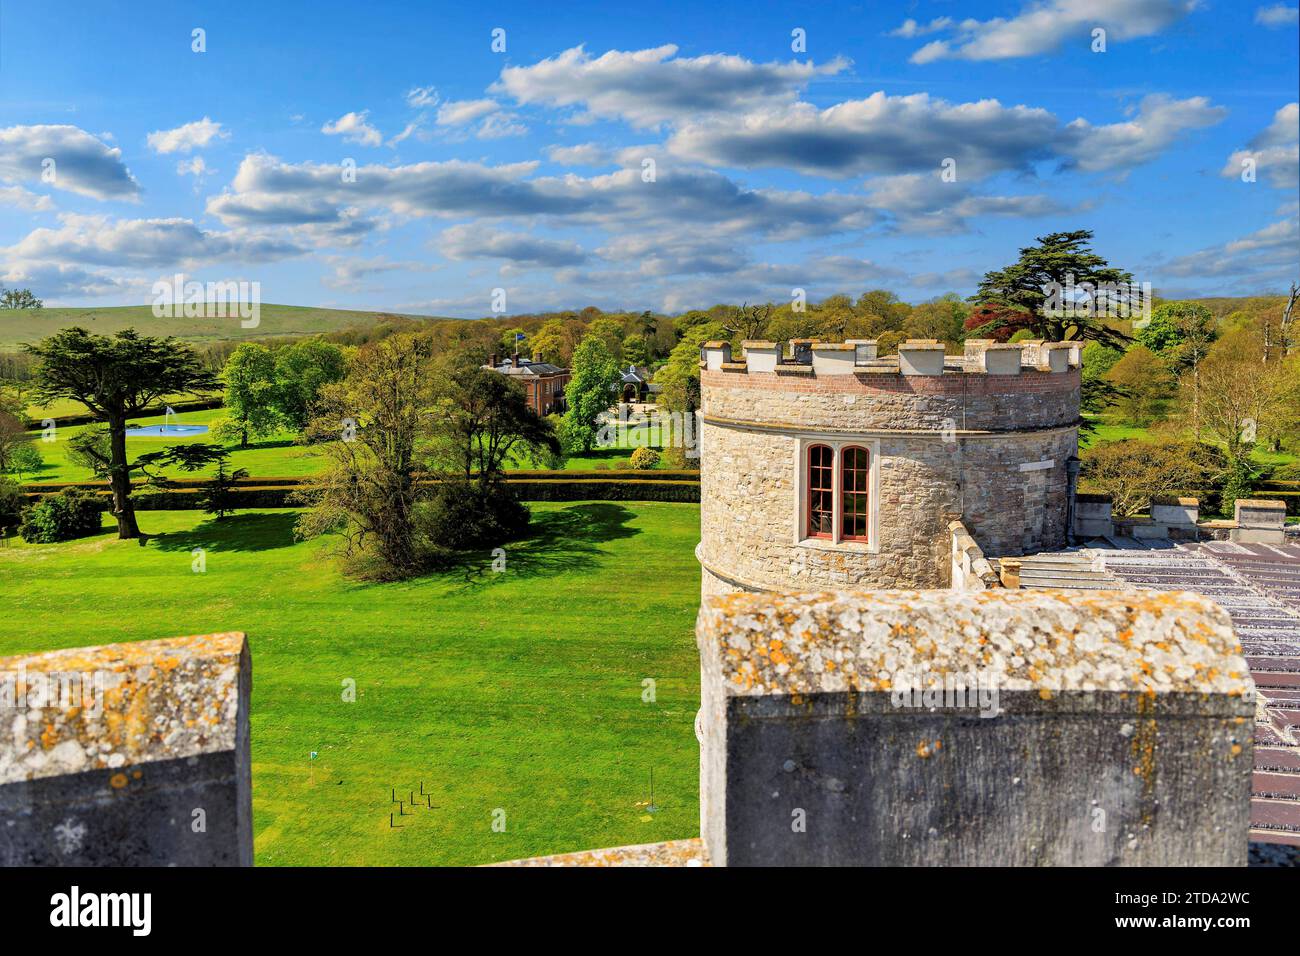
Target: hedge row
[278, 496]
[514, 477]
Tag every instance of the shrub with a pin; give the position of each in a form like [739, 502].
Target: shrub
[644, 458]
[1133, 471]
[623, 464]
[69, 514]
[12, 502]
[674, 458]
[463, 515]
[1237, 483]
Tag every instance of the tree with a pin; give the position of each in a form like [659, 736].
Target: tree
[551, 343]
[482, 423]
[1182, 333]
[91, 449]
[942, 318]
[1235, 392]
[749, 322]
[1133, 471]
[993, 320]
[218, 495]
[1144, 382]
[588, 392]
[379, 416]
[26, 460]
[1036, 282]
[635, 350]
[302, 370]
[116, 377]
[13, 431]
[251, 390]
[679, 379]
[19, 299]
[610, 332]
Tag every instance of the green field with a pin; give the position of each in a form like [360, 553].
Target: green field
[520, 690]
[276, 456]
[30, 325]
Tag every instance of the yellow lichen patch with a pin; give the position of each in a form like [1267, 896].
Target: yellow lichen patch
[117, 781]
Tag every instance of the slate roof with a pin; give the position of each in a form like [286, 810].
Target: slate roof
[1259, 586]
[526, 367]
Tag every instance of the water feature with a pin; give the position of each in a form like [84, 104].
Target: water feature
[166, 428]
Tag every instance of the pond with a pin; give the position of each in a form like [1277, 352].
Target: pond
[163, 431]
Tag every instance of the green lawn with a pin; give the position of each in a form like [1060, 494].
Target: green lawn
[520, 690]
[1107, 429]
[276, 456]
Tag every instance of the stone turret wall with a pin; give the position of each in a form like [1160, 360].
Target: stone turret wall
[948, 441]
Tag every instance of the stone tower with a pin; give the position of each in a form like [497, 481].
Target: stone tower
[836, 469]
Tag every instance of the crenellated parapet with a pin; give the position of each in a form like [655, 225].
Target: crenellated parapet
[914, 357]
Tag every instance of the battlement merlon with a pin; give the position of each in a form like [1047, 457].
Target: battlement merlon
[129, 704]
[992, 727]
[915, 357]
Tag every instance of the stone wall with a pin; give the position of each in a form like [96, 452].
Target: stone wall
[978, 728]
[127, 755]
[991, 450]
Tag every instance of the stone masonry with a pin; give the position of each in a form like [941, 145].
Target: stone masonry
[984, 438]
[127, 755]
[1108, 730]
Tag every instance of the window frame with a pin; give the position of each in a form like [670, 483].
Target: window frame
[828, 471]
[803, 494]
[843, 492]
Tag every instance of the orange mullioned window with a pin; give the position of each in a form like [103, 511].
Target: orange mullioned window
[821, 491]
[855, 484]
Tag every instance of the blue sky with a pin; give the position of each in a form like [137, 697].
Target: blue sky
[528, 169]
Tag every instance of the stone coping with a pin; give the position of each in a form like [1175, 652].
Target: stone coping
[1264, 504]
[132, 703]
[943, 434]
[671, 853]
[1034, 356]
[1049, 642]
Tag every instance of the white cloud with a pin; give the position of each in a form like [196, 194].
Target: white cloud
[471, 241]
[20, 198]
[649, 87]
[889, 135]
[187, 138]
[500, 125]
[1276, 151]
[1044, 25]
[354, 128]
[910, 28]
[149, 243]
[460, 112]
[583, 154]
[1159, 120]
[195, 167]
[422, 97]
[1277, 16]
[67, 158]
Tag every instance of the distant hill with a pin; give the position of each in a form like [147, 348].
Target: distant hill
[29, 325]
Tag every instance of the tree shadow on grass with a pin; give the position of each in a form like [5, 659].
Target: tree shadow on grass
[246, 532]
[557, 542]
